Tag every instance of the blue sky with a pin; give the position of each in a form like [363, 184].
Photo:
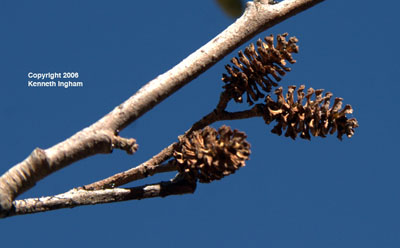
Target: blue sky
[323, 193]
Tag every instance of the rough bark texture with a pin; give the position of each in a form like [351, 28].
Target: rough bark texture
[102, 136]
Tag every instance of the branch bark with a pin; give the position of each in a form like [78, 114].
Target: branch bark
[102, 136]
[81, 197]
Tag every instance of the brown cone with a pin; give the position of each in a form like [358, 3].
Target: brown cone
[314, 116]
[210, 155]
[258, 69]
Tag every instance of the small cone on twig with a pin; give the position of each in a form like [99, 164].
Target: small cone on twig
[314, 116]
[259, 68]
[210, 155]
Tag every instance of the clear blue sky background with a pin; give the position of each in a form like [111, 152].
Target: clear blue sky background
[323, 193]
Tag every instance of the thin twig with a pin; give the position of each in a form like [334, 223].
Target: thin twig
[139, 172]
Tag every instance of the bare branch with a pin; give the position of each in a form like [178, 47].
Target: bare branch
[101, 136]
[256, 111]
[81, 197]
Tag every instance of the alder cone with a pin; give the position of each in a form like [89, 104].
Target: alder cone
[209, 154]
[314, 116]
[258, 69]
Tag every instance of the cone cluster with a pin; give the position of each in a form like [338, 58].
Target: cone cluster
[209, 154]
[258, 69]
[314, 116]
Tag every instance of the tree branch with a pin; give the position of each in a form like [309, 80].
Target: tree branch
[101, 137]
[81, 197]
[154, 166]
[105, 191]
